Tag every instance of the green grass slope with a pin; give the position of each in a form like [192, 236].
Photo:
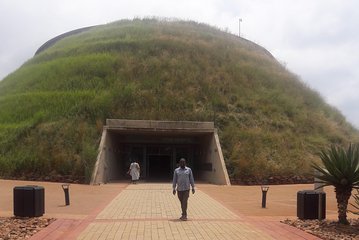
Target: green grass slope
[52, 109]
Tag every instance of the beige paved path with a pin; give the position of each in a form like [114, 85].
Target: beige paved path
[150, 211]
[155, 201]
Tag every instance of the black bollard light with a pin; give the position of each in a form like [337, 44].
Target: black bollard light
[66, 187]
[264, 195]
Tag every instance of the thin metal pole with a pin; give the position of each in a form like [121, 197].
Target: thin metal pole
[239, 27]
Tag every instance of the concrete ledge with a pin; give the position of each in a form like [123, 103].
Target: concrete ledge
[160, 125]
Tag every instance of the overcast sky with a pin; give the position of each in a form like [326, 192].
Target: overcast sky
[317, 39]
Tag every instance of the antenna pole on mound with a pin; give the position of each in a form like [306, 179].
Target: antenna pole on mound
[239, 27]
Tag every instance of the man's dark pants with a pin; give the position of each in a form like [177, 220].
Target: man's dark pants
[183, 197]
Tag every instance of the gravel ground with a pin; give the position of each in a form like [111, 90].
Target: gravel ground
[21, 228]
[328, 230]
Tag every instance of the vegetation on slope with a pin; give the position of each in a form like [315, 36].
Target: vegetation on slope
[53, 107]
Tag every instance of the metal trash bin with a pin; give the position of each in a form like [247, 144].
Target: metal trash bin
[308, 204]
[29, 201]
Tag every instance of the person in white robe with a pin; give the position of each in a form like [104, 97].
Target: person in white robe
[134, 171]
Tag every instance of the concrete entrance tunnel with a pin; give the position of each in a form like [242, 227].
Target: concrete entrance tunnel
[157, 146]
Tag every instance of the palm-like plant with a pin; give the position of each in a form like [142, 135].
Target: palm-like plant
[341, 170]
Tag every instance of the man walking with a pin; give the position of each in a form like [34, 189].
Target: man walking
[183, 178]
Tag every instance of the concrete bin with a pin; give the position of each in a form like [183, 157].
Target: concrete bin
[29, 201]
[308, 204]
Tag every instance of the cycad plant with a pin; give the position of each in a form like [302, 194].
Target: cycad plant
[340, 168]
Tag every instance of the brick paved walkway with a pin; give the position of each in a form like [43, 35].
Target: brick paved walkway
[150, 211]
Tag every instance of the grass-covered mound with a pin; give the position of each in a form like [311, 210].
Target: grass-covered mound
[52, 109]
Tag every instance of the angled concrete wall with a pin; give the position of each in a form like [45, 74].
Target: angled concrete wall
[214, 157]
[98, 174]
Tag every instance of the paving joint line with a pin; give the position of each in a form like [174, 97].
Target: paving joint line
[167, 219]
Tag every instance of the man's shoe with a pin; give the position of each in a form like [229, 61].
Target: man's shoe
[183, 218]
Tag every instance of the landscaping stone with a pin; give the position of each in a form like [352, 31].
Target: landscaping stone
[328, 229]
[21, 228]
